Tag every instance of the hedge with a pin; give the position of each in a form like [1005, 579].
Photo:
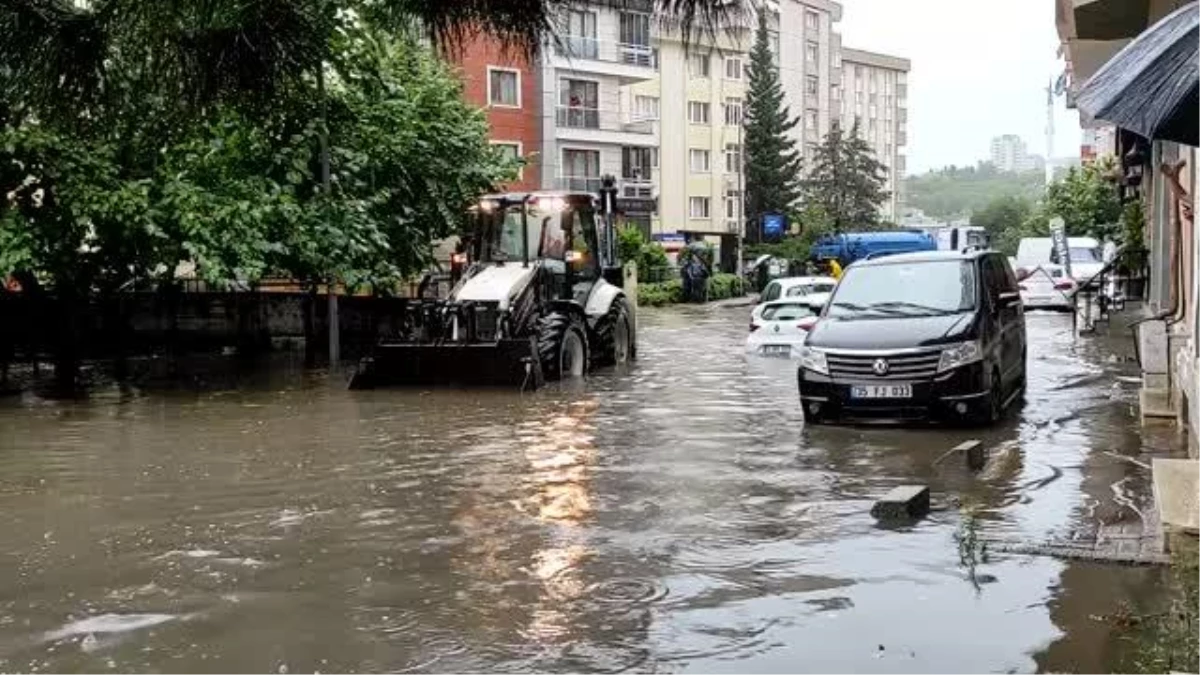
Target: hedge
[720, 287]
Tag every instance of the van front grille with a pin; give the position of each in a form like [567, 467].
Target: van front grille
[900, 365]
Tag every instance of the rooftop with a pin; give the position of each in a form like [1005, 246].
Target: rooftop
[875, 59]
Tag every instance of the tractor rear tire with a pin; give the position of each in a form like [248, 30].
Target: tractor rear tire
[614, 342]
[562, 346]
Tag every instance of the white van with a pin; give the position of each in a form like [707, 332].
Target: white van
[1087, 257]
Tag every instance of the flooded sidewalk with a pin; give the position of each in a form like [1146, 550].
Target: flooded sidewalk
[677, 518]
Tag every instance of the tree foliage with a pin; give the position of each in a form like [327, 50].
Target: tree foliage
[126, 190]
[772, 161]
[846, 181]
[957, 192]
[1087, 201]
[1002, 213]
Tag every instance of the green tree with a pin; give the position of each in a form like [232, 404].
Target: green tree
[846, 181]
[958, 192]
[1001, 214]
[772, 161]
[1087, 201]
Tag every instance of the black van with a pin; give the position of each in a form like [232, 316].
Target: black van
[937, 334]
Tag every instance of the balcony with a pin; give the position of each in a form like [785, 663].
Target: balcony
[579, 183]
[600, 125]
[629, 62]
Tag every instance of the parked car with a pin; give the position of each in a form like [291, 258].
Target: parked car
[1087, 257]
[791, 287]
[938, 334]
[1046, 287]
[783, 324]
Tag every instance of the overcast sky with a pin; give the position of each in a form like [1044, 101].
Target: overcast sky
[979, 69]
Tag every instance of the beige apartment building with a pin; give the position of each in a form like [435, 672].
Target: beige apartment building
[618, 95]
[874, 94]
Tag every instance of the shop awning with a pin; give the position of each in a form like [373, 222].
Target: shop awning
[1151, 86]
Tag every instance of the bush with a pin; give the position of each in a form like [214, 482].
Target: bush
[659, 294]
[725, 286]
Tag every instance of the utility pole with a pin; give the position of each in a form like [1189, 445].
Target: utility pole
[335, 348]
[1049, 133]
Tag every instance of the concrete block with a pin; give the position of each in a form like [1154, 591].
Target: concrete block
[903, 502]
[1155, 404]
[1177, 492]
[974, 453]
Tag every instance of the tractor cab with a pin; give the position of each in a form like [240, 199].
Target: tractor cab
[555, 231]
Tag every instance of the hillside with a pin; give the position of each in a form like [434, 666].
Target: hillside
[959, 191]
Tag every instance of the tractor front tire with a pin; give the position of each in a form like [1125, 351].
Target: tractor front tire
[562, 346]
[614, 342]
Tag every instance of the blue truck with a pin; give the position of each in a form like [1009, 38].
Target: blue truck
[851, 246]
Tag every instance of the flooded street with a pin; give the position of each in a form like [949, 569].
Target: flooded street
[680, 518]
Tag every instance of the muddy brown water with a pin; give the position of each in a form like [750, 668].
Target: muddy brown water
[675, 518]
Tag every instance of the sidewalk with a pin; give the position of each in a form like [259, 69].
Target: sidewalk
[745, 301]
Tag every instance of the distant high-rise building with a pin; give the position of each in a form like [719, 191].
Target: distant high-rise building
[1010, 154]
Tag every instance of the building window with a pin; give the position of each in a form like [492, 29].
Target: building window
[504, 87]
[698, 112]
[733, 205]
[698, 207]
[733, 112]
[645, 107]
[810, 151]
[773, 39]
[874, 111]
[698, 65]
[871, 128]
[637, 163]
[733, 68]
[635, 40]
[698, 160]
[580, 41]
[810, 120]
[733, 158]
[858, 72]
[858, 97]
[812, 85]
[510, 150]
[581, 170]
[888, 151]
[812, 20]
[579, 104]
[812, 54]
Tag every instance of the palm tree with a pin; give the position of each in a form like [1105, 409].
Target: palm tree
[78, 55]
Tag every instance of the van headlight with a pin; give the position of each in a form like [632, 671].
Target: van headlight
[811, 359]
[958, 355]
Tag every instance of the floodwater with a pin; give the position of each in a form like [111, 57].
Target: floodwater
[678, 518]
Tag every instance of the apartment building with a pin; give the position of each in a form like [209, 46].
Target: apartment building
[616, 94]
[809, 53]
[590, 127]
[508, 87]
[874, 93]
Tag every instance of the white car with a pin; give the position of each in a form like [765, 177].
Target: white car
[1046, 287]
[782, 325]
[792, 288]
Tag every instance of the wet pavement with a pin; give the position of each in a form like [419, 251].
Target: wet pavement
[677, 518]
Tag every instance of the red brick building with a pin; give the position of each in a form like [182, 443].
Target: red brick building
[507, 85]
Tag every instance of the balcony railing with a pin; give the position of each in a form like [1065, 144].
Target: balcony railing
[579, 183]
[580, 117]
[576, 117]
[592, 49]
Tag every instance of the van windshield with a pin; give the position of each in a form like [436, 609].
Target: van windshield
[1085, 255]
[906, 289]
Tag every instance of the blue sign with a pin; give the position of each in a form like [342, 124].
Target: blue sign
[668, 238]
[774, 225]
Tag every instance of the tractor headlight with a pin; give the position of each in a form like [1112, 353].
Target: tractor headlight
[811, 359]
[961, 354]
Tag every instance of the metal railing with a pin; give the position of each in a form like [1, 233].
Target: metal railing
[579, 183]
[577, 117]
[593, 49]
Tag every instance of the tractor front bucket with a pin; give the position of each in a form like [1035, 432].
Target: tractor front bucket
[511, 363]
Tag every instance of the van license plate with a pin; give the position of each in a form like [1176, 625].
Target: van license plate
[777, 350]
[881, 391]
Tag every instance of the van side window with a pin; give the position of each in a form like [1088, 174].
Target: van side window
[993, 278]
